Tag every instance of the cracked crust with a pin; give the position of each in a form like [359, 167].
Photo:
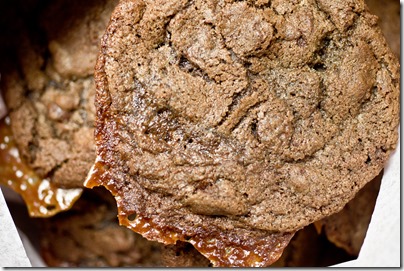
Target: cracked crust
[50, 100]
[243, 116]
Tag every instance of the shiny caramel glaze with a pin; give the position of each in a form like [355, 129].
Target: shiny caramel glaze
[41, 196]
[223, 249]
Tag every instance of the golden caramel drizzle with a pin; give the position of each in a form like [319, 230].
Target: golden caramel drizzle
[148, 229]
[258, 253]
[217, 248]
[221, 249]
[41, 196]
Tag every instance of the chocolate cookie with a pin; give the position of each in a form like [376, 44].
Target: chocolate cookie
[388, 12]
[225, 123]
[182, 255]
[310, 249]
[347, 228]
[88, 235]
[51, 101]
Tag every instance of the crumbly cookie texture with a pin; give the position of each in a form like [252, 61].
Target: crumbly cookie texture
[244, 117]
[51, 102]
[347, 228]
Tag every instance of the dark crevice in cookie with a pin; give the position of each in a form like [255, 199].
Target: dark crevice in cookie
[234, 104]
[187, 66]
[384, 64]
[54, 83]
[323, 90]
[46, 57]
[192, 68]
[254, 132]
[355, 22]
[320, 67]
[186, 6]
[55, 169]
[33, 146]
[33, 149]
[168, 38]
[240, 120]
[267, 5]
[247, 64]
[252, 3]
[320, 55]
[325, 13]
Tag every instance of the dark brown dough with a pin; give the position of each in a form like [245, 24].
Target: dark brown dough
[182, 255]
[89, 235]
[347, 228]
[250, 118]
[50, 92]
[388, 12]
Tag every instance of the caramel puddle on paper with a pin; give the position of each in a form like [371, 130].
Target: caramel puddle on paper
[42, 197]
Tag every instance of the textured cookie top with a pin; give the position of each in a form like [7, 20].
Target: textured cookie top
[253, 115]
[347, 228]
[51, 101]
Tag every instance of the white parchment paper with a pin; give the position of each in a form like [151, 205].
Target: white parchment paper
[12, 252]
[381, 247]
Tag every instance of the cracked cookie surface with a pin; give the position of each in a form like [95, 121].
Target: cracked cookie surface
[245, 116]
